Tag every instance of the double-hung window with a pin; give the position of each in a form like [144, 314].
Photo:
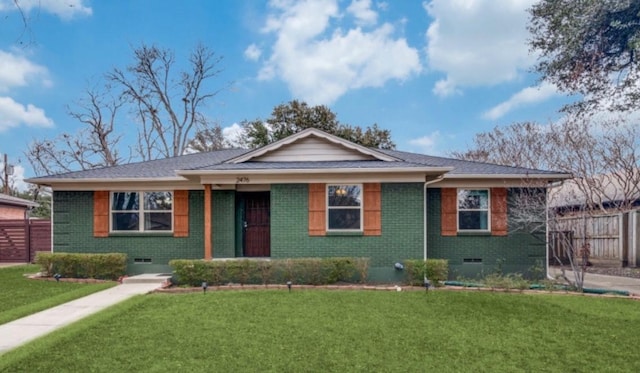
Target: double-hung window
[473, 210]
[344, 207]
[142, 211]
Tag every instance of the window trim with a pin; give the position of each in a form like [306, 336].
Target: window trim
[488, 210]
[361, 208]
[141, 212]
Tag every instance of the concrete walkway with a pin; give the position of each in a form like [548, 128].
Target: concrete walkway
[594, 281]
[26, 329]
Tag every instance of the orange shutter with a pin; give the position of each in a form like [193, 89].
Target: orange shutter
[449, 211]
[372, 209]
[100, 213]
[180, 213]
[498, 211]
[317, 210]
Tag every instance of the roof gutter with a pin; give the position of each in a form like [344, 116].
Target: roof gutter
[555, 176]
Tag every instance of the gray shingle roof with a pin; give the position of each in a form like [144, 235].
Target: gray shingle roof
[159, 168]
[465, 167]
[215, 161]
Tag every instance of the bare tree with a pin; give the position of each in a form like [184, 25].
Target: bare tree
[94, 145]
[167, 104]
[505, 146]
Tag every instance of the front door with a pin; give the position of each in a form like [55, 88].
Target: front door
[256, 239]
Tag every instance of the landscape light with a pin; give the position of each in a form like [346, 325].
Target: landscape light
[427, 284]
[57, 276]
[289, 285]
[204, 286]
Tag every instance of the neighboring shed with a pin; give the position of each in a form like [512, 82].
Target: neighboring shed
[14, 207]
[20, 237]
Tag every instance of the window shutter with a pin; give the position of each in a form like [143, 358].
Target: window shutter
[372, 209]
[317, 210]
[180, 213]
[498, 211]
[448, 211]
[101, 213]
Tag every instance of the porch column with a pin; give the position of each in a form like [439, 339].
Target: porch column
[207, 222]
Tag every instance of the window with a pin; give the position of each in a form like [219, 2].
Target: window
[141, 211]
[344, 207]
[473, 210]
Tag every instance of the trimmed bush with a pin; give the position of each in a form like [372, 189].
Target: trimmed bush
[98, 266]
[437, 271]
[305, 271]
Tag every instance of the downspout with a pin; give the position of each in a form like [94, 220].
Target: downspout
[546, 226]
[427, 183]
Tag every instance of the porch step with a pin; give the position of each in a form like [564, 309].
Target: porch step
[147, 278]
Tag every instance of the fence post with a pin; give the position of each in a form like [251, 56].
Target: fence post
[624, 239]
[27, 238]
[633, 238]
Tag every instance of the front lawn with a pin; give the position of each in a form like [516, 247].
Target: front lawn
[21, 296]
[344, 331]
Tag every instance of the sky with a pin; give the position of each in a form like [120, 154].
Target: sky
[435, 72]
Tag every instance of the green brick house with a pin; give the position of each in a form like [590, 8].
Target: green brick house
[309, 195]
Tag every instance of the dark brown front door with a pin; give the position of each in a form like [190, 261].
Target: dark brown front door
[256, 236]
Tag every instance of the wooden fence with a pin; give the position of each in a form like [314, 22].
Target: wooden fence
[614, 237]
[20, 240]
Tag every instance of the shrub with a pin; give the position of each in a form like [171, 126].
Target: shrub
[98, 266]
[304, 271]
[436, 270]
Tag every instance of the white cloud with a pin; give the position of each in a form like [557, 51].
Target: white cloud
[13, 114]
[233, 135]
[320, 62]
[427, 144]
[477, 42]
[361, 9]
[529, 95]
[66, 10]
[17, 71]
[252, 52]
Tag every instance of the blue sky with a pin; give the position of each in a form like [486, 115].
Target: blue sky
[433, 72]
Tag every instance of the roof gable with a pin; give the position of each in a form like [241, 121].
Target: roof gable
[312, 145]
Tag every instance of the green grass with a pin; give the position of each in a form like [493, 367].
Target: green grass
[349, 331]
[21, 296]
[344, 331]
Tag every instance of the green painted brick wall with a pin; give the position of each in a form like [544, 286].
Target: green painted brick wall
[519, 251]
[73, 232]
[401, 238]
[223, 223]
[402, 234]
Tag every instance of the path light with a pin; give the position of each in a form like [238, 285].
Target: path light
[427, 284]
[289, 285]
[57, 276]
[204, 286]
